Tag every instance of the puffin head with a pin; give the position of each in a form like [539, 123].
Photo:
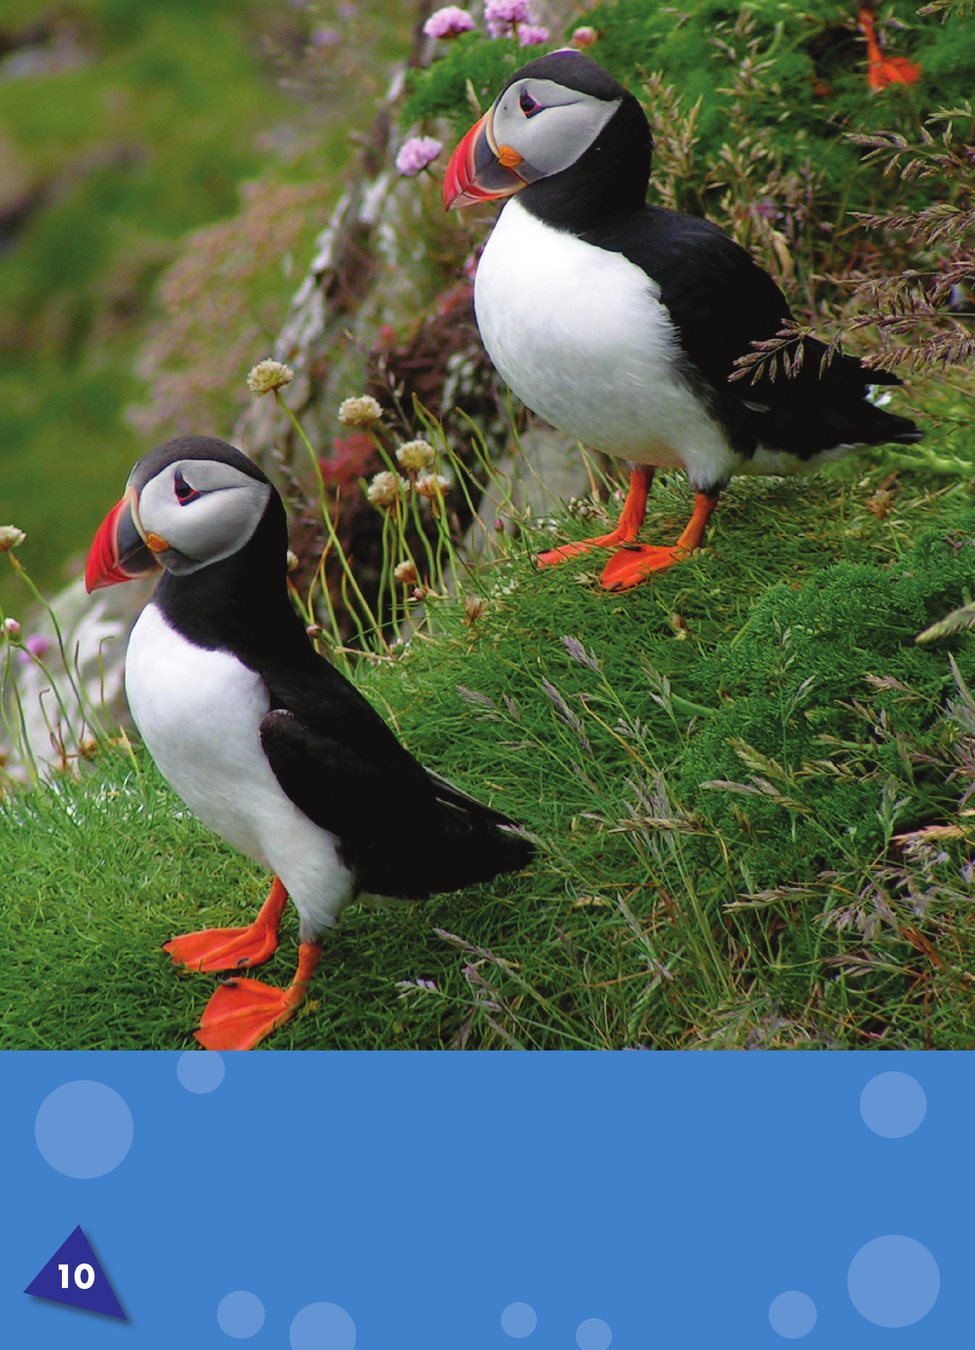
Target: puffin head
[189, 503]
[558, 114]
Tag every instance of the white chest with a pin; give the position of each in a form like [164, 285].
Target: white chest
[580, 335]
[199, 713]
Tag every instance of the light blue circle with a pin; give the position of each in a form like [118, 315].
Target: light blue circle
[519, 1320]
[893, 1281]
[322, 1326]
[240, 1314]
[200, 1070]
[83, 1129]
[593, 1334]
[792, 1314]
[893, 1105]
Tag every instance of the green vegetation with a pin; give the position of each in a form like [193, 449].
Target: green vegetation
[789, 78]
[113, 157]
[748, 781]
[750, 785]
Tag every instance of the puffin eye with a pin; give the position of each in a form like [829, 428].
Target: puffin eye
[528, 105]
[184, 493]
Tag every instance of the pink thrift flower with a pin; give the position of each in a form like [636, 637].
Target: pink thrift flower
[448, 22]
[501, 15]
[530, 35]
[584, 37]
[416, 153]
[35, 645]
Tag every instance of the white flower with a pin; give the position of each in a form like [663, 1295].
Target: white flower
[385, 489]
[10, 537]
[415, 455]
[359, 412]
[269, 375]
[406, 573]
[432, 485]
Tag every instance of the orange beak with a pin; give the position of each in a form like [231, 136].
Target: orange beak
[118, 551]
[479, 171]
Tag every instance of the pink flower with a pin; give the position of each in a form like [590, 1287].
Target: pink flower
[448, 22]
[501, 16]
[584, 37]
[530, 35]
[36, 645]
[416, 153]
[326, 37]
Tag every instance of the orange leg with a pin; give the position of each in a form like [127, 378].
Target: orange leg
[627, 527]
[242, 1012]
[632, 565]
[882, 70]
[233, 948]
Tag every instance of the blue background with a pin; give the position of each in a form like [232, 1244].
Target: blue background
[673, 1196]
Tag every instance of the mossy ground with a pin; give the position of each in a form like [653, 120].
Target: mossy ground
[721, 770]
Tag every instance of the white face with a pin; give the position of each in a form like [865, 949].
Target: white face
[198, 511]
[548, 124]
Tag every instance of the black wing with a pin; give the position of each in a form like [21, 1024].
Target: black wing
[721, 302]
[404, 832]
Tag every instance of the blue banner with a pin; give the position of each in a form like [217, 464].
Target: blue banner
[328, 1201]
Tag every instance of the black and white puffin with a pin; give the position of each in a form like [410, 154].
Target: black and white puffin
[266, 743]
[620, 323]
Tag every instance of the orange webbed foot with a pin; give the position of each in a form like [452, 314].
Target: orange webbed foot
[222, 948]
[627, 527]
[232, 948]
[553, 556]
[243, 1011]
[631, 566]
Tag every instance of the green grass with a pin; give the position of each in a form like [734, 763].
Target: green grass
[718, 776]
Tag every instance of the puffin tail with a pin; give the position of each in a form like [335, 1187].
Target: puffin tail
[876, 427]
[474, 842]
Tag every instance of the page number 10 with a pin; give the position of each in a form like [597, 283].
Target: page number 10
[84, 1276]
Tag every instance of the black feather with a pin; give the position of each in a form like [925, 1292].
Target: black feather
[721, 302]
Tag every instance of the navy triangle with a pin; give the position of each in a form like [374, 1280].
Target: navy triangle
[49, 1283]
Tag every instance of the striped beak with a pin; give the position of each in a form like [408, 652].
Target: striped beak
[481, 171]
[118, 551]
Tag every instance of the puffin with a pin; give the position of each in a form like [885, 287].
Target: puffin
[620, 323]
[266, 743]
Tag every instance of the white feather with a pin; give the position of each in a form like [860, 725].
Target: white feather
[199, 714]
[580, 335]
